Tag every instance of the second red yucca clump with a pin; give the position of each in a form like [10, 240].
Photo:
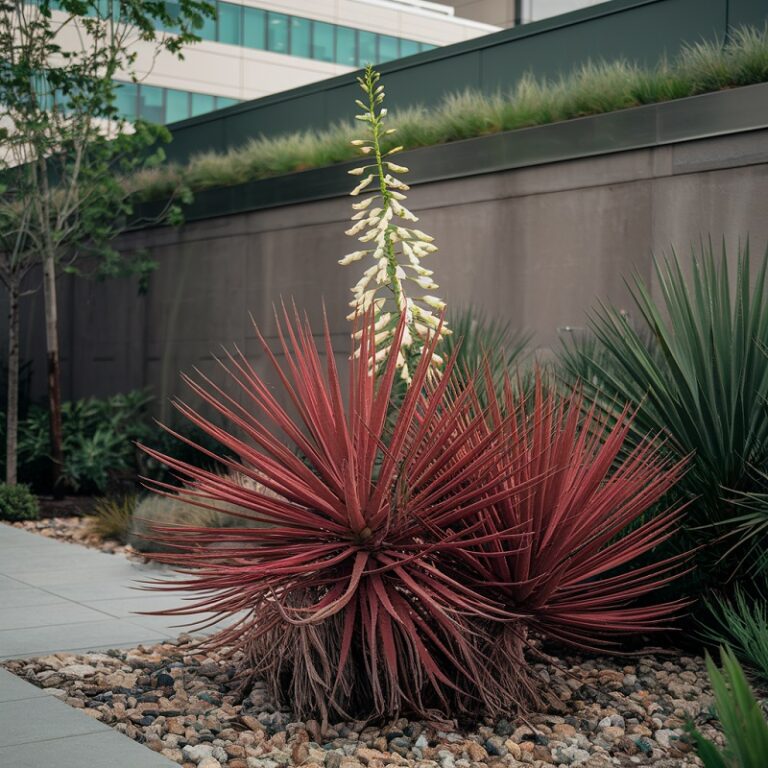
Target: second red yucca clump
[403, 561]
[570, 579]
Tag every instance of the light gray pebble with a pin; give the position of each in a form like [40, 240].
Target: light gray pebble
[570, 755]
[197, 753]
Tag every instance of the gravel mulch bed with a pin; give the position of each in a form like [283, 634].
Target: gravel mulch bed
[177, 701]
[74, 530]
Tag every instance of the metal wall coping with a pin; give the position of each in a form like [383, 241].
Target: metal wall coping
[697, 117]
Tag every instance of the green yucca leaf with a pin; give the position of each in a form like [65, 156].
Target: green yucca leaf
[702, 379]
[741, 623]
[744, 726]
[482, 339]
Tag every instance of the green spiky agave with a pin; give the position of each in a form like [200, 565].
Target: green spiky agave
[703, 379]
[741, 623]
[744, 726]
[481, 342]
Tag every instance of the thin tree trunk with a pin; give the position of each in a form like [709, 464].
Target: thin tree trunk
[54, 368]
[12, 415]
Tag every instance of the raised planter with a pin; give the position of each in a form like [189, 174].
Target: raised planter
[697, 117]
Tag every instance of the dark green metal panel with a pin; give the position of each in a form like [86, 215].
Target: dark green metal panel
[747, 12]
[642, 33]
[638, 30]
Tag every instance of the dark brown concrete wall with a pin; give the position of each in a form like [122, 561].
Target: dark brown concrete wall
[536, 246]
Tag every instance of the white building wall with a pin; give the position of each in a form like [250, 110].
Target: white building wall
[244, 73]
[502, 12]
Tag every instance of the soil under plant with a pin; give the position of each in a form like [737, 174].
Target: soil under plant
[608, 712]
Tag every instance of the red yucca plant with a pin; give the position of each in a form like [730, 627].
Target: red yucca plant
[351, 606]
[568, 580]
[404, 560]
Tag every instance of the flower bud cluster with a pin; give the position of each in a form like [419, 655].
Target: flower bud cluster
[382, 223]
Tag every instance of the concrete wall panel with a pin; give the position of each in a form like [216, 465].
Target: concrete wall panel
[536, 246]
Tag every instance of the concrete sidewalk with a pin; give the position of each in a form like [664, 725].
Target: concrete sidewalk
[56, 596]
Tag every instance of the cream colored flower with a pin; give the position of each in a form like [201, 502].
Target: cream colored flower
[384, 285]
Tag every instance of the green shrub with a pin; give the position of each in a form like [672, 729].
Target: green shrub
[744, 726]
[702, 380]
[741, 623]
[112, 518]
[17, 502]
[481, 339]
[98, 437]
[99, 445]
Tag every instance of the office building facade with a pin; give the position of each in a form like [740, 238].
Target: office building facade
[258, 47]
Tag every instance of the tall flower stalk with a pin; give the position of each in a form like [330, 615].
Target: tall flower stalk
[396, 249]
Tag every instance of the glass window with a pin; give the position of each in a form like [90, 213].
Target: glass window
[408, 47]
[105, 9]
[367, 47]
[277, 32]
[346, 46]
[389, 48]
[427, 46]
[151, 104]
[208, 30]
[230, 23]
[176, 105]
[301, 30]
[225, 101]
[172, 9]
[202, 103]
[125, 100]
[253, 28]
[322, 41]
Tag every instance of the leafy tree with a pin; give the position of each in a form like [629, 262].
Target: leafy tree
[67, 154]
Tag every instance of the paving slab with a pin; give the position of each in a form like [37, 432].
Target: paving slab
[103, 749]
[39, 731]
[29, 720]
[56, 596]
[13, 688]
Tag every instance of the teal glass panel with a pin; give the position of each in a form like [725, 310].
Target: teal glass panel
[176, 105]
[151, 104]
[389, 48]
[225, 101]
[125, 100]
[367, 47]
[172, 9]
[427, 46]
[254, 21]
[208, 30]
[277, 32]
[346, 46]
[202, 103]
[301, 32]
[322, 41]
[409, 47]
[230, 23]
